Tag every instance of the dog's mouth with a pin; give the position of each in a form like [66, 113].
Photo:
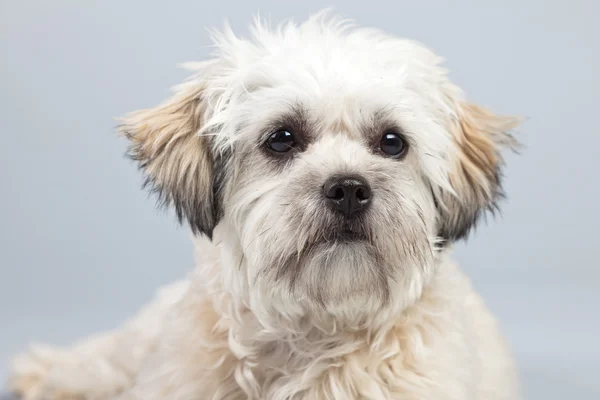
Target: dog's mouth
[347, 232]
[349, 235]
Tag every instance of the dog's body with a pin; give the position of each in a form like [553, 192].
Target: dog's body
[332, 168]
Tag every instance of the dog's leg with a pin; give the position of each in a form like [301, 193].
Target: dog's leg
[194, 358]
[99, 367]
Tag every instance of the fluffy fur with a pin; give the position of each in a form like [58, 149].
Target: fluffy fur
[281, 307]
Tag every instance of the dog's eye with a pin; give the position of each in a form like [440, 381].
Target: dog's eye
[393, 144]
[281, 141]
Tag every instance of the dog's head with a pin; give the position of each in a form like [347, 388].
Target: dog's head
[332, 162]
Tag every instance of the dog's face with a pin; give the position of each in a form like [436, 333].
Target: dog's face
[332, 163]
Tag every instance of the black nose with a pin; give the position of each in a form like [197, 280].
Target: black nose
[348, 194]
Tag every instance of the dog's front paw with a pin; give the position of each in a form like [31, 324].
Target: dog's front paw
[50, 374]
[31, 372]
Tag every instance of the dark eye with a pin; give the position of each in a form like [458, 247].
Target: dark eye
[393, 144]
[281, 141]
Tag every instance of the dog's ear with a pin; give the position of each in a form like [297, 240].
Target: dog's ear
[476, 173]
[176, 159]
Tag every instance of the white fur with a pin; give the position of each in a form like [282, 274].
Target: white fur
[388, 318]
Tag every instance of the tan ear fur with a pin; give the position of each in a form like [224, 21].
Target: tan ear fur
[175, 158]
[476, 177]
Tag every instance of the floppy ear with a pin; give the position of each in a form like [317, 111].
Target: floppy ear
[477, 169]
[177, 161]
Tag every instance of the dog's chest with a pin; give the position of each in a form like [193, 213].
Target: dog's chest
[347, 368]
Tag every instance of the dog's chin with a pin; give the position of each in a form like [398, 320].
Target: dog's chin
[340, 266]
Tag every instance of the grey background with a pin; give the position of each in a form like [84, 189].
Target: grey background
[81, 246]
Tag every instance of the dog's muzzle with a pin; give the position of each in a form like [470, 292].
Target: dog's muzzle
[348, 195]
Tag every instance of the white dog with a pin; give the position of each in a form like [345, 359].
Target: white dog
[326, 171]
